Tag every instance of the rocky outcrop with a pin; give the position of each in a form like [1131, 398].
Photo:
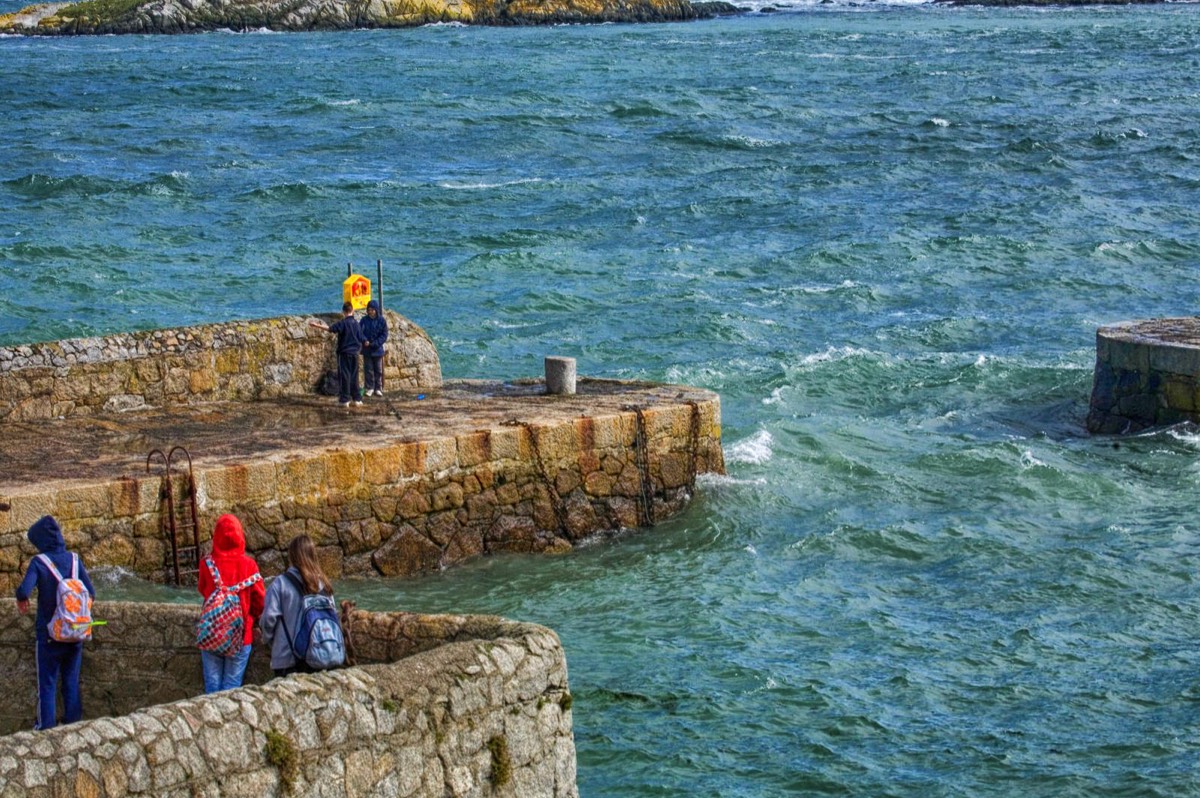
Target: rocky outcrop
[191, 16]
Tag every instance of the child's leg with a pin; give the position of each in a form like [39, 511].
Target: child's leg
[213, 666]
[235, 669]
[355, 388]
[72, 701]
[47, 672]
[375, 373]
[346, 389]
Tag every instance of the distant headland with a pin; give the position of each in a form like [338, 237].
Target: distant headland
[90, 17]
[197, 16]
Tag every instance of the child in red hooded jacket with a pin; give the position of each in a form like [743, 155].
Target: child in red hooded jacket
[233, 565]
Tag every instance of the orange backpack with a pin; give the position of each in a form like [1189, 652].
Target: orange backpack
[72, 619]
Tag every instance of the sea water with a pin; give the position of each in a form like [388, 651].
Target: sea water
[885, 235]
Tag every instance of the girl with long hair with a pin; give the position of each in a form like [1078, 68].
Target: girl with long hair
[285, 600]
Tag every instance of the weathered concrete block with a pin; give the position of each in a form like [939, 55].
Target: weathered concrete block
[343, 469]
[300, 476]
[383, 466]
[1168, 359]
[83, 502]
[473, 449]
[509, 443]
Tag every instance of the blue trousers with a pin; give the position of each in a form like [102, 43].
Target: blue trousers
[224, 673]
[58, 662]
[348, 378]
[373, 366]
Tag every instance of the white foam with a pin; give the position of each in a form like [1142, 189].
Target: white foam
[775, 398]
[834, 353]
[1187, 435]
[1029, 461]
[113, 575]
[504, 325]
[481, 186]
[939, 122]
[750, 141]
[756, 450]
[716, 481]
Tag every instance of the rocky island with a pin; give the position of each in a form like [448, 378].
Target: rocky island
[195, 16]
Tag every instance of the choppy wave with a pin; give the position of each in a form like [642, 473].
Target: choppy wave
[755, 450]
[485, 185]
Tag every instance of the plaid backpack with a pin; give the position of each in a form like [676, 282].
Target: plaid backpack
[72, 619]
[221, 628]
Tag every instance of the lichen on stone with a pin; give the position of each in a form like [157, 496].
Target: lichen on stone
[501, 761]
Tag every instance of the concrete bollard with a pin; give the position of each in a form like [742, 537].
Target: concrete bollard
[560, 375]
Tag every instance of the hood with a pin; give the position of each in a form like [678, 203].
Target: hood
[228, 537]
[47, 535]
[374, 303]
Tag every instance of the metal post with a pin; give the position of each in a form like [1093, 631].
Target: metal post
[379, 283]
[349, 269]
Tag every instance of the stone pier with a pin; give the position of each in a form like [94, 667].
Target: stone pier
[432, 474]
[1147, 375]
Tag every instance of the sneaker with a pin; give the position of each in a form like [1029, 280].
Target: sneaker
[358, 402]
[378, 392]
[344, 404]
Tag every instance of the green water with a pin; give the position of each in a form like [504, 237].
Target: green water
[886, 235]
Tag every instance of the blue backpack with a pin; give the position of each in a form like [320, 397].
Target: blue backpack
[318, 638]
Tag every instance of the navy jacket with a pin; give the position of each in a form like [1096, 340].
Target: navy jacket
[350, 337]
[374, 330]
[47, 536]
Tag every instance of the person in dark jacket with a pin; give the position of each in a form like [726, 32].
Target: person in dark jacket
[233, 566]
[375, 331]
[349, 344]
[56, 662]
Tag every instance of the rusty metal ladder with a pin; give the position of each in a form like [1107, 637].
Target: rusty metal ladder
[178, 518]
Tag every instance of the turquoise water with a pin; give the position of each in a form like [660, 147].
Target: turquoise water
[885, 235]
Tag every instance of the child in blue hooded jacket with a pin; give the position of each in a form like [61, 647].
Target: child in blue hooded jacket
[375, 331]
[55, 661]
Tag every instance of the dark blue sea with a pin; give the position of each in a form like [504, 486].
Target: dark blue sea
[885, 234]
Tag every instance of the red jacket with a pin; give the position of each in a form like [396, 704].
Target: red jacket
[234, 565]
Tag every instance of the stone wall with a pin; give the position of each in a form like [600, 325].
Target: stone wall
[438, 706]
[1147, 374]
[238, 361]
[402, 507]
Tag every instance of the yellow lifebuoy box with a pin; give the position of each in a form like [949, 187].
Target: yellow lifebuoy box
[357, 291]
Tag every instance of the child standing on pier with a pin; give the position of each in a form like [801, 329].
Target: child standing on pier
[375, 331]
[349, 344]
[56, 661]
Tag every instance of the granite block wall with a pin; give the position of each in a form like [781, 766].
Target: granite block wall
[232, 361]
[438, 706]
[402, 507]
